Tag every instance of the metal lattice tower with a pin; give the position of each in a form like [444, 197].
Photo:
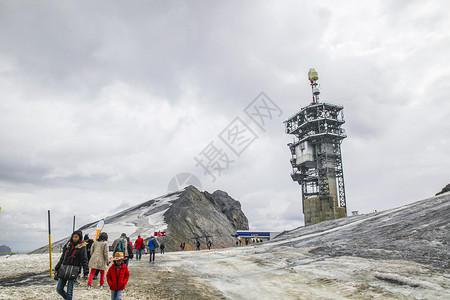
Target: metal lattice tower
[316, 157]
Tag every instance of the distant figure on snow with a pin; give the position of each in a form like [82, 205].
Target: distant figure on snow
[153, 244]
[209, 245]
[99, 259]
[138, 245]
[198, 245]
[161, 247]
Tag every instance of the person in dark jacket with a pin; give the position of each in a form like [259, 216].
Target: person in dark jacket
[89, 243]
[117, 276]
[129, 250]
[74, 253]
[161, 247]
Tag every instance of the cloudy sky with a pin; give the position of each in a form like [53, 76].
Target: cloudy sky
[102, 103]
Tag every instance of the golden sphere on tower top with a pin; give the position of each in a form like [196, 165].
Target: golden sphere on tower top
[313, 75]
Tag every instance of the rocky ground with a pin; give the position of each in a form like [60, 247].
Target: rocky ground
[262, 271]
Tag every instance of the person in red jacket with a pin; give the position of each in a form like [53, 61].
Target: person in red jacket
[139, 245]
[117, 276]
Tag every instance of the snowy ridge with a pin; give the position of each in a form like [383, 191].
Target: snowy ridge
[142, 219]
[417, 232]
[183, 215]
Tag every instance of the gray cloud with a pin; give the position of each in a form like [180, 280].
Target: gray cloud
[103, 103]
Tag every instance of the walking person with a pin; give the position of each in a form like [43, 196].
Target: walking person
[99, 259]
[121, 245]
[129, 250]
[89, 243]
[138, 245]
[161, 247]
[117, 276]
[74, 254]
[198, 245]
[209, 245]
[152, 246]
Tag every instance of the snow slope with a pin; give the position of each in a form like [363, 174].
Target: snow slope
[143, 219]
[417, 232]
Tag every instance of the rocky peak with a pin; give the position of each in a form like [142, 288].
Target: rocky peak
[4, 250]
[230, 207]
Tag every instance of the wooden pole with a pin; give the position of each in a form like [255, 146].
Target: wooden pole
[50, 244]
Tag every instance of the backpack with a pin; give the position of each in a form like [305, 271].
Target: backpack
[155, 243]
[120, 246]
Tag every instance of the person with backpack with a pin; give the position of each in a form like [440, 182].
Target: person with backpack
[117, 276]
[120, 245]
[99, 259]
[74, 255]
[153, 244]
[161, 247]
[138, 245]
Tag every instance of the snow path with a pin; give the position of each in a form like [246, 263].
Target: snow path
[252, 272]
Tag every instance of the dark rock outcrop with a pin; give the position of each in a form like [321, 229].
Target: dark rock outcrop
[444, 190]
[194, 216]
[230, 207]
[4, 250]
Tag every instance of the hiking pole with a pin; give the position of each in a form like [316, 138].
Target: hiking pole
[50, 244]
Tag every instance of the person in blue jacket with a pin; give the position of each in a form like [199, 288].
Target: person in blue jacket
[152, 246]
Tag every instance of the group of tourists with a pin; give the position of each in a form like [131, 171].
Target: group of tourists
[80, 255]
[209, 245]
[92, 258]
